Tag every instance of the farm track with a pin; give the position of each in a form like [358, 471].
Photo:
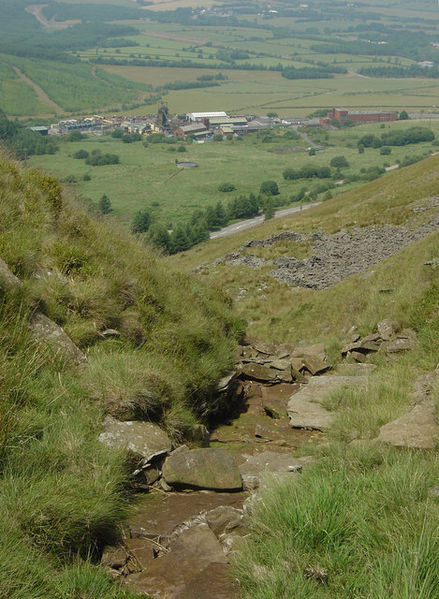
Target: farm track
[41, 94]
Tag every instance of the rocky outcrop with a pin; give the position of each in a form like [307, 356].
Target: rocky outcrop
[272, 364]
[335, 257]
[195, 566]
[47, 331]
[388, 339]
[204, 468]
[8, 281]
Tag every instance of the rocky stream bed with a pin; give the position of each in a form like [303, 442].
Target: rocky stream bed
[191, 509]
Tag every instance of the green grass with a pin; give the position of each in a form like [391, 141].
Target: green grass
[16, 98]
[63, 495]
[75, 87]
[147, 178]
[362, 516]
[284, 314]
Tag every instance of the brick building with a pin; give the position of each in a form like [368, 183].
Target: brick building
[358, 116]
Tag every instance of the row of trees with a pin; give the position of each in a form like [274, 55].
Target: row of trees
[311, 171]
[413, 135]
[212, 218]
[96, 157]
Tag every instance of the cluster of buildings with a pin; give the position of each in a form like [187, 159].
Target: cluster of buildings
[98, 124]
[202, 126]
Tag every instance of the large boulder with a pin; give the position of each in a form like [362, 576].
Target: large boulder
[205, 468]
[305, 407]
[418, 429]
[143, 440]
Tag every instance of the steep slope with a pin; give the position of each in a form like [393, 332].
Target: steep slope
[154, 344]
[362, 519]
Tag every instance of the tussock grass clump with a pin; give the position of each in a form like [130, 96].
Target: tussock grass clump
[362, 516]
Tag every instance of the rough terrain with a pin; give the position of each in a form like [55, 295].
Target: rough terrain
[335, 257]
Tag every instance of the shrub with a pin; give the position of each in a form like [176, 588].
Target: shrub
[81, 155]
[385, 150]
[339, 162]
[141, 221]
[226, 187]
[269, 188]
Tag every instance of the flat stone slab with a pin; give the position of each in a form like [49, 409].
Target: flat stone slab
[304, 407]
[144, 440]
[206, 468]
[270, 461]
[418, 429]
[195, 567]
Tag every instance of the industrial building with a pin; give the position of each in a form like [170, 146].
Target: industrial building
[358, 116]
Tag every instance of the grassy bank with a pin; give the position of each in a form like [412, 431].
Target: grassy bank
[62, 494]
[360, 521]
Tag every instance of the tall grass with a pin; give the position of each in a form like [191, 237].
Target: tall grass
[62, 493]
[362, 517]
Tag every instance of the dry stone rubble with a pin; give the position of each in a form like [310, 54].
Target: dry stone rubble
[335, 257]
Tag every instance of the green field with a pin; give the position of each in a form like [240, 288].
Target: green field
[147, 177]
[167, 46]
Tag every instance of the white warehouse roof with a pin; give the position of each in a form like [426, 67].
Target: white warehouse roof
[195, 116]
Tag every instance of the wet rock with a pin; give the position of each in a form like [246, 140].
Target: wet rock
[195, 567]
[203, 469]
[223, 518]
[418, 429]
[200, 434]
[114, 557]
[143, 440]
[305, 409]
[47, 331]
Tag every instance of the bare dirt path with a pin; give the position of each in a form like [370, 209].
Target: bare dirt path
[41, 94]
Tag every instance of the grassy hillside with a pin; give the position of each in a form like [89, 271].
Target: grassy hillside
[275, 311]
[62, 494]
[361, 521]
